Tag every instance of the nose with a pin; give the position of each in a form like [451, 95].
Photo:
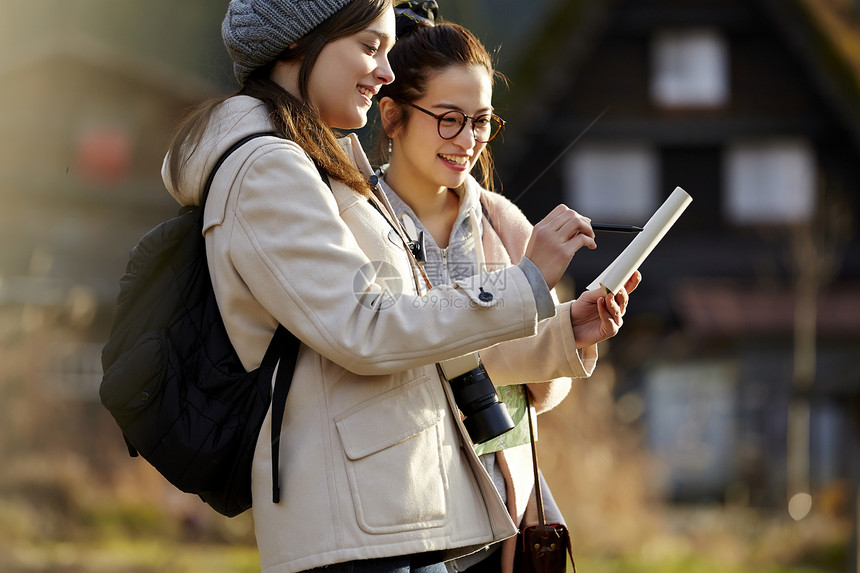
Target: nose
[466, 138]
[384, 73]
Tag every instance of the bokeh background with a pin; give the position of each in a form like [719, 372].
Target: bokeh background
[719, 432]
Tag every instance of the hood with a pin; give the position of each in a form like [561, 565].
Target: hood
[470, 196]
[235, 118]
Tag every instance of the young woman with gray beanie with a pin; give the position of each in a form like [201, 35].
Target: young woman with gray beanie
[377, 472]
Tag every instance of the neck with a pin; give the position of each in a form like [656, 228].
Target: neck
[436, 207]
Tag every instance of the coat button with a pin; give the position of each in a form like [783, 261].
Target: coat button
[485, 296]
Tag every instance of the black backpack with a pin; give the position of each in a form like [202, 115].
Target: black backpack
[173, 381]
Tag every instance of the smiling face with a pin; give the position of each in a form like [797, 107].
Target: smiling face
[420, 158]
[349, 72]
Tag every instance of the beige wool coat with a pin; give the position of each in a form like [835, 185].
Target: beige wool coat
[375, 461]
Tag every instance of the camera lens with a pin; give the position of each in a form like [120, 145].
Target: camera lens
[485, 416]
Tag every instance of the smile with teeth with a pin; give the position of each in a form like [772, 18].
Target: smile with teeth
[365, 92]
[456, 159]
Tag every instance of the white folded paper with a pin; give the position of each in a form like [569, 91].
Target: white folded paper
[613, 278]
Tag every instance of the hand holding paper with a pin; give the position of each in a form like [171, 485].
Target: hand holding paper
[596, 316]
[616, 274]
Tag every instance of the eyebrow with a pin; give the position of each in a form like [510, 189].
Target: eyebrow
[379, 34]
[451, 106]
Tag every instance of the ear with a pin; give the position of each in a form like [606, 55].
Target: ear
[390, 115]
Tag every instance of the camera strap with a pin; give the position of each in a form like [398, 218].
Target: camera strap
[538, 494]
[380, 204]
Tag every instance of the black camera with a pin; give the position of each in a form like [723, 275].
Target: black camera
[485, 416]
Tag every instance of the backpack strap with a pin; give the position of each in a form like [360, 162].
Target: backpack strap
[224, 157]
[284, 346]
[283, 349]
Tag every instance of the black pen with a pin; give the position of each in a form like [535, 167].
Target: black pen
[616, 228]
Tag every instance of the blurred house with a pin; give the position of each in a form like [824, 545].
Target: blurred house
[739, 347]
[84, 131]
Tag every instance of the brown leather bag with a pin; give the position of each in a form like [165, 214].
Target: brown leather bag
[541, 548]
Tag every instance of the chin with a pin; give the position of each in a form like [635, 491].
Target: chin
[356, 121]
[453, 182]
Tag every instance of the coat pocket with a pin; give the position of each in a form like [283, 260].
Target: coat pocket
[395, 459]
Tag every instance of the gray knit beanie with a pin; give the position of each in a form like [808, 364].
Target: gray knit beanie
[256, 32]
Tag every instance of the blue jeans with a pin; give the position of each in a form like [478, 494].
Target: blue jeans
[400, 564]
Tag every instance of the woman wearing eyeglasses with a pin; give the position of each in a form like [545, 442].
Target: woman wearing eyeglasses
[437, 118]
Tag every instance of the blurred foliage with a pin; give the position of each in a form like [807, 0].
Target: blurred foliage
[187, 34]
[183, 35]
[688, 565]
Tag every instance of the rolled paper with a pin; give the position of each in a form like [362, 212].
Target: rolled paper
[616, 274]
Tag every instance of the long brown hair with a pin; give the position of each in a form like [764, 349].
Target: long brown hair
[295, 119]
[423, 52]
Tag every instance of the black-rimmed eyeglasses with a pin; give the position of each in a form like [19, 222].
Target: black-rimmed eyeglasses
[451, 123]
